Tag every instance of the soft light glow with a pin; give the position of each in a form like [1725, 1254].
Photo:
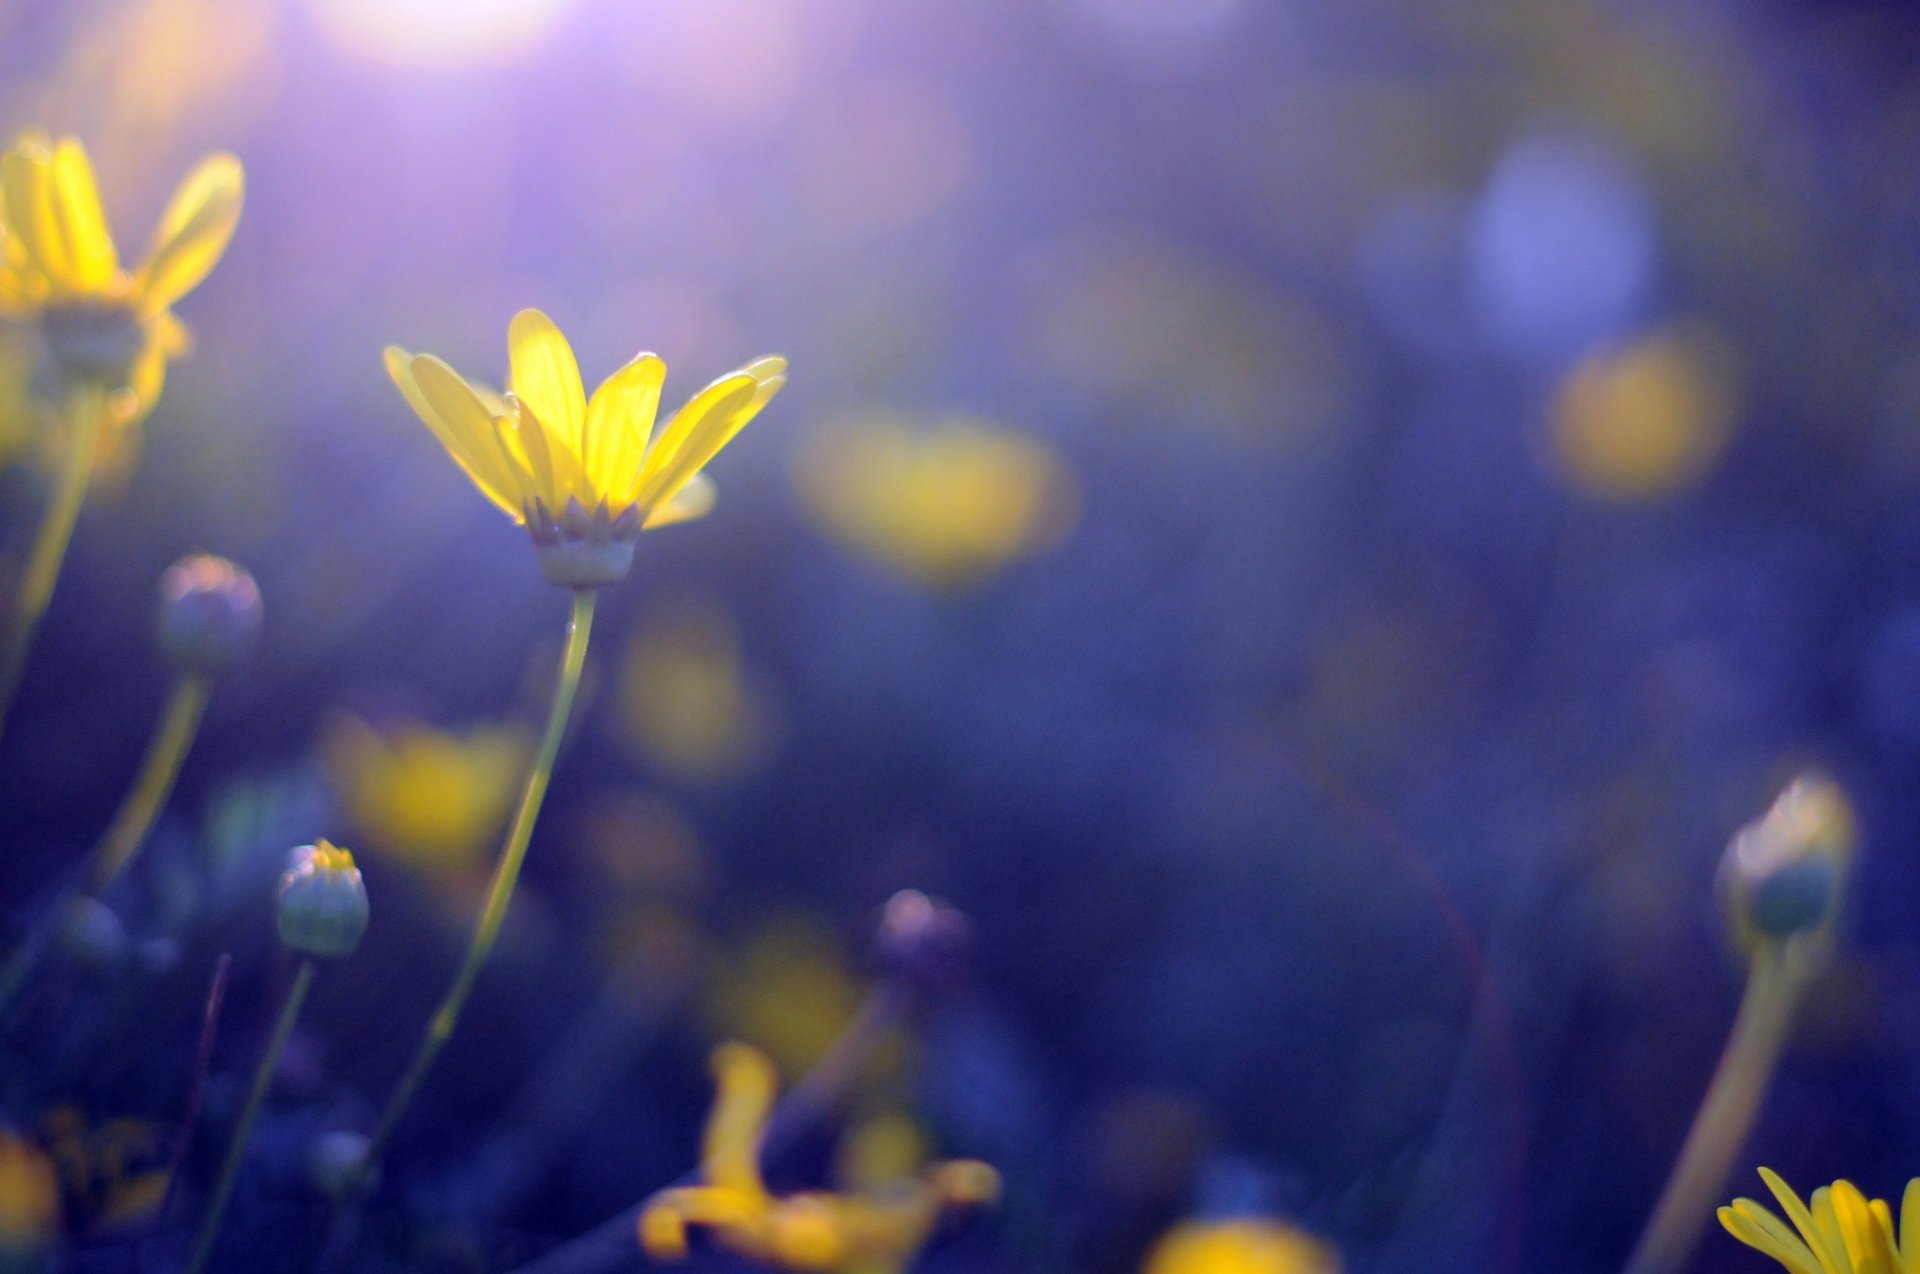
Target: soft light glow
[442, 32]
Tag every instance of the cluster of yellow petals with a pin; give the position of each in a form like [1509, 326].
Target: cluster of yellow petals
[1241, 1245]
[1838, 1231]
[872, 1232]
[430, 799]
[59, 266]
[545, 450]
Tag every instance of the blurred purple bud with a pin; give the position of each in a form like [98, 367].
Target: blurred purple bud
[923, 942]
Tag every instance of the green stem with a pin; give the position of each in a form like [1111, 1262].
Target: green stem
[84, 409]
[1698, 1180]
[122, 840]
[148, 795]
[256, 1097]
[505, 876]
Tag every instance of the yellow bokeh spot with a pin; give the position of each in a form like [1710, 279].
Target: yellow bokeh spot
[432, 800]
[29, 1196]
[1646, 420]
[1243, 1246]
[945, 504]
[686, 705]
[437, 32]
[788, 992]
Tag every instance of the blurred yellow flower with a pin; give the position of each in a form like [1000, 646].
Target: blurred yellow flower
[945, 504]
[686, 705]
[1646, 420]
[114, 1171]
[584, 475]
[430, 799]
[871, 1231]
[29, 1196]
[103, 325]
[787, 991]
[1839, 1231]
[1245, 1245]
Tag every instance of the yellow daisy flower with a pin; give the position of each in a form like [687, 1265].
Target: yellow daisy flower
[1840, 1230]
[584, 475]
[104, 325]
[871, 1231]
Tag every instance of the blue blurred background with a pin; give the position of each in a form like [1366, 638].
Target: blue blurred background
[1310, 520]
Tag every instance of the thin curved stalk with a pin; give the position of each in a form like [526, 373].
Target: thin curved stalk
[505, 876]
[1698, 1179]
[84, 409]
[172, 739]
[256, 1097]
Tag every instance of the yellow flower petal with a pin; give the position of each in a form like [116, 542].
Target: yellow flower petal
[75, 201]
[706, 424]
[1866, 1242]
[448, 406]
[745, 1084]
[1759, 1229]
[25, 193]
[1803, 1221]
[546, 378]
[692, 501]
[619, 422]
[1910, 1228]
[193, 232]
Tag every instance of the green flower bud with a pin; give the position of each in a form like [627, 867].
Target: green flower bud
[323, 902]
[209, 614]
[1785, 874]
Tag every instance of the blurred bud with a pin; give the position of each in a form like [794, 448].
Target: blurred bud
[923, 942]
[209, 614]
[29, 1197]
[94, 934]
[1786, 873]
[323, 902]
[339, 1163]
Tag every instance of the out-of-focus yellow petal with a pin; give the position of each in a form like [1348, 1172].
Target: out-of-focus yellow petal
[82, 225]
[450, 407]
[1910, 1228]
[1244, 1245]
[527, 444]
[1866, 1242]
[193, 232]
[619, 422]
[706, 424]
[693, 500]
[1759, 1229]
[26, 195]
[745, 1084]
[546, 377]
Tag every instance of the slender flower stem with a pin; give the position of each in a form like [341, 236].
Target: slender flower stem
[236, 1150]
[148, 795]
[505, 876]
[172, 739]
[1774, 981]
[84, 409]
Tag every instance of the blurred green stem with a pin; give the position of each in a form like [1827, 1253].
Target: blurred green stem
[172, 739]
[1775, 978]
[84, 409]
[148, 795]
[505, 876]
[256, 1097]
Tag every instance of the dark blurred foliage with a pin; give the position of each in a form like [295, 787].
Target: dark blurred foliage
[1336, 806]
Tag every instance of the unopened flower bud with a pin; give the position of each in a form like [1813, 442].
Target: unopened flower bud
[209, 614]
[923, 942]
[323, 902]
[1786, 873]
[339, 1162]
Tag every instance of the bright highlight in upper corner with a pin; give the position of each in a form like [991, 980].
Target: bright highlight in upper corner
[437, 32]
